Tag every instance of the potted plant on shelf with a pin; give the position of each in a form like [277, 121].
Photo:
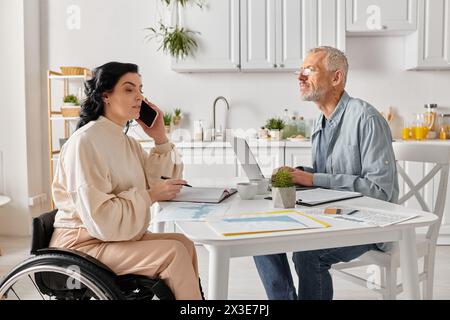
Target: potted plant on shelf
[283, 189]
[176, 117]
[275, 127]
[167, 118]
[71, 106]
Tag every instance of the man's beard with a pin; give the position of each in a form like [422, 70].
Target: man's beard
[314, 95]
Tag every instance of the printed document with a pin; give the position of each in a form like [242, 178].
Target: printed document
[276, 221]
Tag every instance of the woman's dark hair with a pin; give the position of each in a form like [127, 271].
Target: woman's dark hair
[103, 80]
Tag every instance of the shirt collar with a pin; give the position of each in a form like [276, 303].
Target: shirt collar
[110, 124]
[336, 116]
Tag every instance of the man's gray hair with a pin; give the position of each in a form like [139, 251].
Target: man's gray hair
[336, 59]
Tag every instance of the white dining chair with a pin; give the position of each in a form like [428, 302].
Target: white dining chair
[389, 262]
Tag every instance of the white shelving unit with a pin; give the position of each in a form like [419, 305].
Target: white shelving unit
[55, 114]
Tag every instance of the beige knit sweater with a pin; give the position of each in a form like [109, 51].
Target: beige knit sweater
[101, 181]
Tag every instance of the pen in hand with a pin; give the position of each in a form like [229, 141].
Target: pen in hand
[166, 178]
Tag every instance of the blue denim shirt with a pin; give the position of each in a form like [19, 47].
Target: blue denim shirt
[360, 156]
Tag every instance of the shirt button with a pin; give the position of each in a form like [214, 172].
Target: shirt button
[386, 162]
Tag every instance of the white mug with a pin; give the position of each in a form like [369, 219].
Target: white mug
[247, 190]
[263, 185]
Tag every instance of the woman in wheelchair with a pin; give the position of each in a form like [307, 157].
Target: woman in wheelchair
[105, 182]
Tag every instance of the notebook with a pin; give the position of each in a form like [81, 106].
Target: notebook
[204, 195]
[320, 196]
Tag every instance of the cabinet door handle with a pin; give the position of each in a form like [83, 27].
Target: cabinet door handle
[281, 65]
[238, 66]
[275, 65]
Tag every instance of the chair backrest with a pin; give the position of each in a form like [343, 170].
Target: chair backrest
[432, 153]
[42, 231]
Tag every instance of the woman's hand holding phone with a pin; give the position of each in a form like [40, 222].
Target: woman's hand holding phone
[166, 189]
[157, 131]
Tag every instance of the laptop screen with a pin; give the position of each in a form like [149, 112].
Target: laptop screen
[246, 158]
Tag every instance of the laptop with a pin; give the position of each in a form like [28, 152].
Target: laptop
[246, 158]
[248, 161]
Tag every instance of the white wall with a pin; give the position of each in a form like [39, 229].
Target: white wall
[114, 30]
[14, 217]
[111, 30]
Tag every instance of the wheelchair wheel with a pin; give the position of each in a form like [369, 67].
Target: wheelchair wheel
[55, 276]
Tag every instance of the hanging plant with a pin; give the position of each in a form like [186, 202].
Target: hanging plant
[199, 3]
[178, 41]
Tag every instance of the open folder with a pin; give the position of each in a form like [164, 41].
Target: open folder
[315, 197]
[204, 195]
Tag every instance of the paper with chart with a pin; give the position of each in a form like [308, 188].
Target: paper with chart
[267, 222]
[187, 211]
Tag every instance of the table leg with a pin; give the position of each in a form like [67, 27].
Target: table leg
[408, 263]
[219, 266]
[158, 227]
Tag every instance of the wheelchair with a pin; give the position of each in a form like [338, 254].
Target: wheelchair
[65, 274]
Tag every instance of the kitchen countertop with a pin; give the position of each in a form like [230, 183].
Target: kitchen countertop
[224, 144]
[262, 143]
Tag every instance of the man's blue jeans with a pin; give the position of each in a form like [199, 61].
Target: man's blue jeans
[312, 268]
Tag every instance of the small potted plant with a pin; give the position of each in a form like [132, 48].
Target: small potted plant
[176, 117]
[275, 127]
[71, 107]
[283, 189]
[167, 117]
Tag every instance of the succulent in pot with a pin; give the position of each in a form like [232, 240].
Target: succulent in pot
[283, 189]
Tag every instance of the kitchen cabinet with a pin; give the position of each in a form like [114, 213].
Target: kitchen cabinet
[277, 34]
[261, 35]
[208, 164]
[381, 17]
[429, 47]
[298, 156]
[218, 41]
[268, 158]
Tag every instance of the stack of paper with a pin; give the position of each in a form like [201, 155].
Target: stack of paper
[377, 218]
[276, 221]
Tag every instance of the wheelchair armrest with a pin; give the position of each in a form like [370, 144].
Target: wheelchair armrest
[78, 254]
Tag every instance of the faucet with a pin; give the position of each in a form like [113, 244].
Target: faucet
[214, 113]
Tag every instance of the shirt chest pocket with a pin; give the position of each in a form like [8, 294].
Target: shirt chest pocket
[346, 159]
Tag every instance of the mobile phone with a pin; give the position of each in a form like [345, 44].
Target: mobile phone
[147, 114]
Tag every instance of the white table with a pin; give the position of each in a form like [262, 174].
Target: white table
[3, 200]
[221, 249]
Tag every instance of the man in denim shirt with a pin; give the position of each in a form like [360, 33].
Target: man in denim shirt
[352, 150]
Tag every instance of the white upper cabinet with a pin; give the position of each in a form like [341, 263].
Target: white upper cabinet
[261, 35]
[381, 17]
[429, 47]
[277, 34]
[327, 24]
[218, 41]
[258, 34]
[305, 24]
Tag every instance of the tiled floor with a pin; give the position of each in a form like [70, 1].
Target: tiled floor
[244, 281]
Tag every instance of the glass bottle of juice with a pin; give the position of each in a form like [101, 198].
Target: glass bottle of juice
[430, 116]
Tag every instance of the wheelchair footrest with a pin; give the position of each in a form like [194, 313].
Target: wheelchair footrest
[138, 287]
